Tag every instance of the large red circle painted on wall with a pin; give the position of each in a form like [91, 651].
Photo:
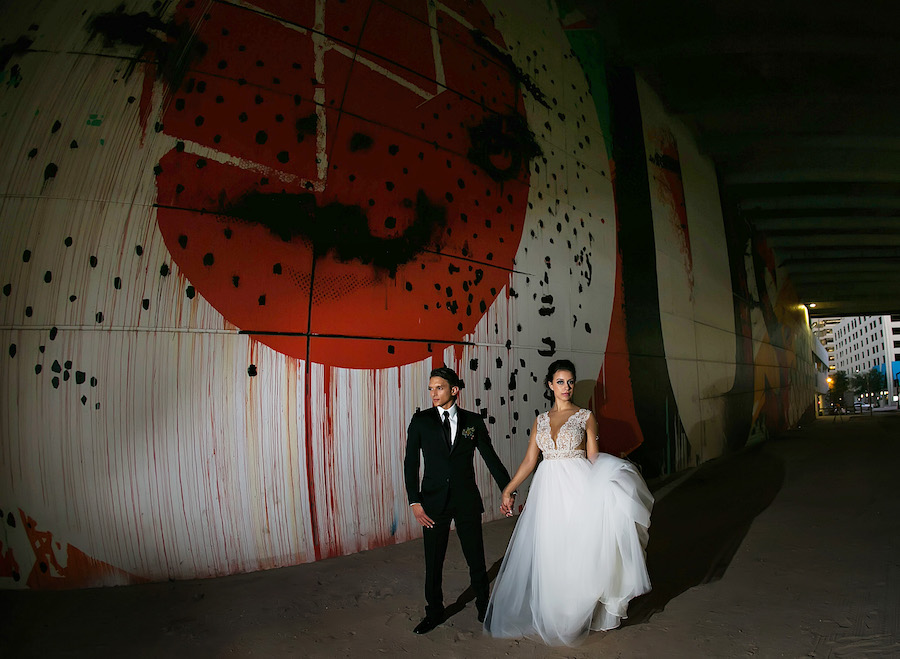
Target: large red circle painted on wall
[351, 178]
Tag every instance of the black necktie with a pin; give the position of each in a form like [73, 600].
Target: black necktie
[447, 430]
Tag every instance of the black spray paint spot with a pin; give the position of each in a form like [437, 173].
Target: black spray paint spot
[7, 289]
[174, 46]
[251, 370]
[50, 171]
[12, 349]
[360, 142]
[341, 230]
[7, 51]
[515, 72]
[26, 256]
[666, 162]
[56, 126]
[551, 345]
[306, 126]
[502, 145]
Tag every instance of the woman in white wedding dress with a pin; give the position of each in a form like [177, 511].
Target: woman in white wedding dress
[576, 557]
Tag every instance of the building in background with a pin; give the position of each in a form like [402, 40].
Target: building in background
[862, 343]
[823, 330]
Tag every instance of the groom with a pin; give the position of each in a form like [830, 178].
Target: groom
[447, 437]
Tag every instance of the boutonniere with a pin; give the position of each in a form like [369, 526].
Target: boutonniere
[469, 433]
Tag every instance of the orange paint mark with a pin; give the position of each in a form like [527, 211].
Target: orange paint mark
[80, 571]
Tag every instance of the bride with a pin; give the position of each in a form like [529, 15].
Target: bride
[576, 557]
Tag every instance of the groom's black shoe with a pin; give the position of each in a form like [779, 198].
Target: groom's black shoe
[428, 623]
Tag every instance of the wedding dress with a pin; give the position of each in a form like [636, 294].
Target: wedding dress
[576, 557]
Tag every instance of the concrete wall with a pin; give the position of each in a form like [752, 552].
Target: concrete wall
[235, 238]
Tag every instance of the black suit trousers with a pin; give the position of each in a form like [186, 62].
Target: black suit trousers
[468, 529]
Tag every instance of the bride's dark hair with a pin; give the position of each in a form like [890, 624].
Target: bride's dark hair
[558, 365]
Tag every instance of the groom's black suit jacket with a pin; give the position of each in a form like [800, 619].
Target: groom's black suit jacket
[449, 475]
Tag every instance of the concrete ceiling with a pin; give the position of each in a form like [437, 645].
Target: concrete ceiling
[798, 104]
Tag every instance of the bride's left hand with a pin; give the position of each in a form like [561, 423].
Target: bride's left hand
[506, 507]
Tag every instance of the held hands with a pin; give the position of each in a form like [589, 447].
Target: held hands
[509, 500]
[423, 519]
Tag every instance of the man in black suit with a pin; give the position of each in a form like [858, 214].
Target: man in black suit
[447, 436]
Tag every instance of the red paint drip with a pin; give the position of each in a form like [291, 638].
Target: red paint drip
[310, 471]
[329, 479]
[8, 565]
[146, 102]
[671, 190]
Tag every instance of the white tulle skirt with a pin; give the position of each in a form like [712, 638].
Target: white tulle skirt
[576, 557]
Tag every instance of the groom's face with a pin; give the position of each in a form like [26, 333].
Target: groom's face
[442, 394]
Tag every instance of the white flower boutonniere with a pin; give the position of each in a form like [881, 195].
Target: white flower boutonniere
[469, 433]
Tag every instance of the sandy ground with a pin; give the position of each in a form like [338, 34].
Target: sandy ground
[788, 549]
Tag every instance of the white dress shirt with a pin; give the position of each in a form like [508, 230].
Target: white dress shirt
[454, 421]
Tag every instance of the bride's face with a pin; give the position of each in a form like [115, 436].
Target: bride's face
[562, 385]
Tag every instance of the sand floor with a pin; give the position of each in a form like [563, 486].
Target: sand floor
[790, 548]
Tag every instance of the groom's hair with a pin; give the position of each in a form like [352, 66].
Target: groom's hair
[449, 375]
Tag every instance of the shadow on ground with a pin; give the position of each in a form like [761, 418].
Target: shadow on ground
[697, 528]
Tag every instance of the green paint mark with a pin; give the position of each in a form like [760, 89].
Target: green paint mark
[95, 120]
[102, 141]
[589, 48]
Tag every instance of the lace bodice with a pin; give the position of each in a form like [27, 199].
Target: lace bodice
[570, 436]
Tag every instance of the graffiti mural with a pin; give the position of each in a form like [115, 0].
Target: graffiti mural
[236, 237]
